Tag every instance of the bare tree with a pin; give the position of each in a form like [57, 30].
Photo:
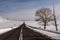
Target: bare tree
[55, 21]
[44, 16]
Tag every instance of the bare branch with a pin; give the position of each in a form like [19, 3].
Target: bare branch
[45, 16]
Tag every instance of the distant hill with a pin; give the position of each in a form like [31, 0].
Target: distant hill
[2, 19]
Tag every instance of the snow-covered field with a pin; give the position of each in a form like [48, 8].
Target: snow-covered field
[6, 26]
[50, 27]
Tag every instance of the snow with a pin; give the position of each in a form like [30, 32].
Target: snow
[2, 19]
[4, 30]
[10, 24]
[52, 34]
[32, 23]
[50, 27]
[6, 26]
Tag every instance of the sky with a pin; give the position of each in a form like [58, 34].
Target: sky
[26, 9]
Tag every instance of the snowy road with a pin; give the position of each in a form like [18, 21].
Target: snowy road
[10, 24]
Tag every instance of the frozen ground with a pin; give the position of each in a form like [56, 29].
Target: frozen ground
[6, 26]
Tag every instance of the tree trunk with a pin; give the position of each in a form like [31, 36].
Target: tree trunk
[45, 26]
[56, 27]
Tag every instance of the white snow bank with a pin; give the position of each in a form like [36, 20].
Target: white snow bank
[6, 26]
[53, 35]
[4, 30]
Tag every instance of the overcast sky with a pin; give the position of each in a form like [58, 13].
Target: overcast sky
[25, 9]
